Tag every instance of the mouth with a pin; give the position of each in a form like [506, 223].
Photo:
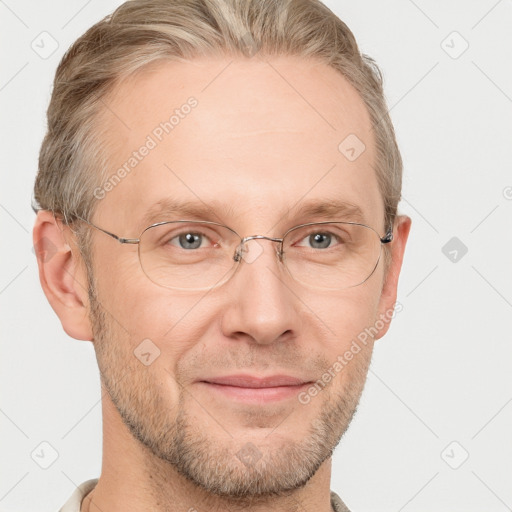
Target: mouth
[256, 390]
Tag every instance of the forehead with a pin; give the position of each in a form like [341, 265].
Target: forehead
[257, 136]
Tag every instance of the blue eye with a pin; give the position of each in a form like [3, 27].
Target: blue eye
[189, 240]
[322, 239]
[319, 240]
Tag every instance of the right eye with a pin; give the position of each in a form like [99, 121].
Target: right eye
[188, 240]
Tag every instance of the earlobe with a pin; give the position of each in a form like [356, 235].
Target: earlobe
[389, 289]
[62, 275]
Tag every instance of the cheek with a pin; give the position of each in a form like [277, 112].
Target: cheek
[348, 345]
[344, 317]
[173, 322]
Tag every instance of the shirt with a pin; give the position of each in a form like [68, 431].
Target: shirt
[75, 501]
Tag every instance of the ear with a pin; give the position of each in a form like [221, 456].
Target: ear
[62, 275]
[389, 289]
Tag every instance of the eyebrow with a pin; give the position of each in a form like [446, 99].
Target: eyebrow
[195, 210]
[329, 209]
[332, 209]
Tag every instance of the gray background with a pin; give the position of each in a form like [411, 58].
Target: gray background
[439, 388]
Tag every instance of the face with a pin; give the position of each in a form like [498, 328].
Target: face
[259, 143]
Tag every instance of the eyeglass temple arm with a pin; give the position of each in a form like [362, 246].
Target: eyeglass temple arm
[388, 237]
[121, 240]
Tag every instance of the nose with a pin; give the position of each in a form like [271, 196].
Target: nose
[261, 303]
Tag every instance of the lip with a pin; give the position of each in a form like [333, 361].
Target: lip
[255, 390]
[253, 381]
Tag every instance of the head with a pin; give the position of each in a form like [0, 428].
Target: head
[246, 109]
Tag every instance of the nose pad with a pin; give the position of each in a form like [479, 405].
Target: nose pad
[251, 253]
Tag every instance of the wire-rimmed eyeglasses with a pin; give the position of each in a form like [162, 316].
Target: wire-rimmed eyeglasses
[200, 255]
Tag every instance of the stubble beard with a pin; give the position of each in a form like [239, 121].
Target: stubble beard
[215, 465]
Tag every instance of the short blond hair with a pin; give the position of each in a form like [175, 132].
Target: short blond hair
[73, 161]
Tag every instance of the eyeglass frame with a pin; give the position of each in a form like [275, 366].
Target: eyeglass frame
[237, 256]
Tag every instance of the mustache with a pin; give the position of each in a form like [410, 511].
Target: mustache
[261, 362]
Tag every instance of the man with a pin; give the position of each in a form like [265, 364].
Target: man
[217, 212]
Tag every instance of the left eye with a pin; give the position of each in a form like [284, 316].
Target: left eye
[320, 240]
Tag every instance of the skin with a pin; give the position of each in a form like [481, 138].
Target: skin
[262, 148]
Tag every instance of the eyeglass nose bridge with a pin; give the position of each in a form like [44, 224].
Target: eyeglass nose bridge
[239, 250]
